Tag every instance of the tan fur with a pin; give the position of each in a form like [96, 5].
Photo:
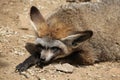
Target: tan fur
[56, 30]
[101, 17]
[59, 30]
[43, 30]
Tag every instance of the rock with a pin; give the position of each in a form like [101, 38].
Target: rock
[19, 51]
[42, 79]
[67, 68]
[25, 75]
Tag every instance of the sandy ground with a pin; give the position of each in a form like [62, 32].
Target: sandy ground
[16, 30]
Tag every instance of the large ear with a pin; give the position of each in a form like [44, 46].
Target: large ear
[76, 39]
[38, 21]
[31, 48]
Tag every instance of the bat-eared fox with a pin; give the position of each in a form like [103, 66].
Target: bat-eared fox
[89, 32]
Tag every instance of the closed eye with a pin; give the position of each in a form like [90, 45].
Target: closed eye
[56, 49]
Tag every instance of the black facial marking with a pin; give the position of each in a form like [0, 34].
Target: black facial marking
[40, 47]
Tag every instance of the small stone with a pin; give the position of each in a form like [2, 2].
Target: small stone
[26, 75]
[67, 68]
[113, 75]
[31, 72]
[42, 79]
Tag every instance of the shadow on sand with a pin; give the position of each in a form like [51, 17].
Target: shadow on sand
[2, 63]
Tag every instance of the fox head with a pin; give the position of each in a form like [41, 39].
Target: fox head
[55, 41]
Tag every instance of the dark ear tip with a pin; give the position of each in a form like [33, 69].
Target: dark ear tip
[33, 9]
[29, 45]
[89, 32]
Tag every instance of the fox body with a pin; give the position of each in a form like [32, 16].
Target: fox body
[90, 32]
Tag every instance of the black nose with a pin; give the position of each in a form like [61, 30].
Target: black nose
[42, 59]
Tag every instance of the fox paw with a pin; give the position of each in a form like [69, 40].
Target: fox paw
[21, 67]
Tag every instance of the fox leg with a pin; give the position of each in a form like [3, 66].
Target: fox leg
[30, 61]
[83, 58]
[87, 58]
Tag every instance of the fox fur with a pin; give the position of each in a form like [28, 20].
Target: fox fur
[89, 31]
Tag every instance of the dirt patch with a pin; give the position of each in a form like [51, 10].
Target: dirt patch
[16, 30]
